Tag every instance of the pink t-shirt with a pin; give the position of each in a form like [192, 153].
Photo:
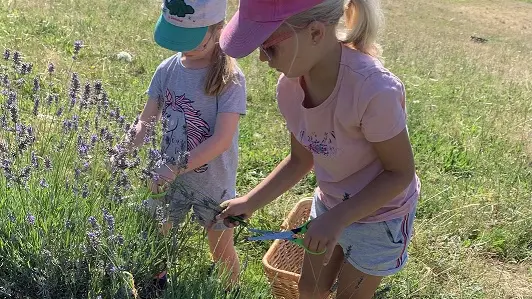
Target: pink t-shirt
[367, 105]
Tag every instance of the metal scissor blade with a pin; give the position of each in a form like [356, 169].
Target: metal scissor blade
[273, 236]
[261, 231]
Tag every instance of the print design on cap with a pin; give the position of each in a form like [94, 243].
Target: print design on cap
[179, 8]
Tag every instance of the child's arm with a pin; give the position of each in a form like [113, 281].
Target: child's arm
[218, 143]
[397, 160]
[149, 116]
[290, 171]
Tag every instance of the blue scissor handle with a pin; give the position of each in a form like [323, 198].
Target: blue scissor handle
[284, 235]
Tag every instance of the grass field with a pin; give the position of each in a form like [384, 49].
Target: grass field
[470, 122]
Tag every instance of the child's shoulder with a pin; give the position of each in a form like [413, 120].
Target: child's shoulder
[169, 62]
[367, 70]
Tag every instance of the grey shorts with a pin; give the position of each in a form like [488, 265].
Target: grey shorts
[378, 249]
[175, 206]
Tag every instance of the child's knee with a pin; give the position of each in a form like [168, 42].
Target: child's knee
[221, 242]
[308, 288]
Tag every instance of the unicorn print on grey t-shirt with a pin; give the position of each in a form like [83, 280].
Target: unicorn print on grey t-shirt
[184, 126]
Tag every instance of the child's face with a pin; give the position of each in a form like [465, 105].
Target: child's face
[205, 48]
[288, 51]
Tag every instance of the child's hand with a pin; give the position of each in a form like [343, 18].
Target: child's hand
[323, 233]
[235, 207]
[164, 176]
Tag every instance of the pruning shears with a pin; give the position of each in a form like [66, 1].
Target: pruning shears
[289, 235]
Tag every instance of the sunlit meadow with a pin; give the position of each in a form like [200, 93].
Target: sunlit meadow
[72, 82]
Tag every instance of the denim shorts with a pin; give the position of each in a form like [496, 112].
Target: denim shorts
[377, 249]
[175, 206]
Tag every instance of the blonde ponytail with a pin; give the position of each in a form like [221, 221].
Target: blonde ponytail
[363, 20]
[222, 70]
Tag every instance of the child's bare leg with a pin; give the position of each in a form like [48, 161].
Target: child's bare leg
[316, 280]
[223, 250]
[353, 284]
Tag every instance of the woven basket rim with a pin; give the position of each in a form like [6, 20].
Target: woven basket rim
[277, 243]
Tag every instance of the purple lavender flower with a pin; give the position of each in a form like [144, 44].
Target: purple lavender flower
[5, 80]
[20, 82]
[25, 173]
[119, 239]
[3, 122]
[75, 122]
[24, 69]
[34, 160]
[121, 120]
[92, 220]
[77, 46]
[3, 147]
[29, 68]
[12, 99]
[94, 139]
[67, 125]
[86, 165]
[77, 173]
[94, 238]
[154, 155]
[83, 149]
[59, 111]
[7, 53]
[68, 224]
[36, 105]
[87, 92]
[31, 133]
[112, 114]
[30, 218]
[11, 217]
[109, 219]
[49, 99]
[47, 163]
[16, 58]
[112, 269]
[97, 86]
[36, 84]
[74, 88]
[85, 191]
[43, 183]
[72, 101]
[51, 68]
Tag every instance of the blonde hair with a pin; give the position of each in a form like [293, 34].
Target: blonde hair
[223, 69]
[363, 22]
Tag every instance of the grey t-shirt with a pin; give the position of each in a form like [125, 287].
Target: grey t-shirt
[191, 119]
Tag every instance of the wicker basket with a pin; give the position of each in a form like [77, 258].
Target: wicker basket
[283, 260]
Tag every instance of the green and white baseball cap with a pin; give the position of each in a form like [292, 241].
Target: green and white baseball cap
[183, 24]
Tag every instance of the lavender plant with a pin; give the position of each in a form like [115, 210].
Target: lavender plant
[72, 225]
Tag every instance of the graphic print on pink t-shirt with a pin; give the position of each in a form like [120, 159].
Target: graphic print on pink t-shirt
[325, 144]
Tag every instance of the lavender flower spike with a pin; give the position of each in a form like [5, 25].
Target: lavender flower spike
[77, 46]
[51, 68]
[30, 218]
